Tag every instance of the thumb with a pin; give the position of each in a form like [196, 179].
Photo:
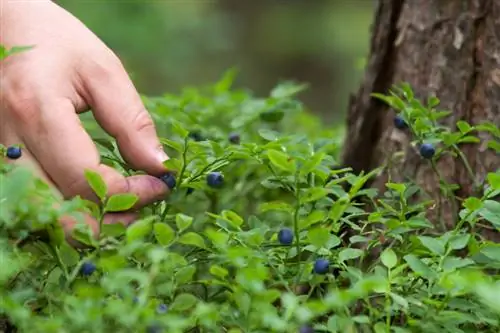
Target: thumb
[119, 110]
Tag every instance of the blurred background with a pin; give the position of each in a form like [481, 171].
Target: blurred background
[169, 44]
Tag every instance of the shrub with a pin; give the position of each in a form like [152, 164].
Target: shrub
[213, 258]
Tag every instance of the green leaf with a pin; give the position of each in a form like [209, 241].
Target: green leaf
[281, 160]
[434, 245]
[234, 219]
[419, 267]
[491, 212]
[318, 237]
[389, 258]
[272, 116]
[121, 202]
[312, 163]
[96, 183]
[314, 194]
[191, 238]
[494, 180]
[218, 271]
[183, 221]
[348, 254]
[184, 302]
[185, 275]
[164, 234]
[139, 229]
[458, 242]
[463, 127]
[452, 263]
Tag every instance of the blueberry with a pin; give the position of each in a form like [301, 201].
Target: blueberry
[285, 236]
[196, 136]
[189, 190]
[154, 328]
[169, 179]
[14, 152]
[306, 329]
[234, 138]
[162, 308]
[215, 179]
[321, 266]
[427, 150]
[87, 268]
[400, 123]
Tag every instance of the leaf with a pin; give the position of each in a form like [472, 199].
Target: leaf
[348, 254]
[389, 258]
[96, 183]
[183, 221]
[184, 302]
[313, 194]
[419, 267]
[185, 275]
[494, 180]
[234, 219]
[312, 163]
[318, 237]
[435, 245]
[281, 160]
[121, 202]
[164, 234]
[218, 271]
[399, 300]
[192, 238]
[139, 229]
[275, 205]
[491, 212]
[463, 127]
[458, 242]
[452, 263]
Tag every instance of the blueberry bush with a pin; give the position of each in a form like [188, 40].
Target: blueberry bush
[264, 231]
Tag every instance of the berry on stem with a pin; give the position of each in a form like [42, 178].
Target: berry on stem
[400, 123]
[234, 138]
[215, 179]
[169, 180]
[87, 268]
[13, 152]
[321, 266]
[306, 329]
[427, 150]
[162, 308]
[285, 236]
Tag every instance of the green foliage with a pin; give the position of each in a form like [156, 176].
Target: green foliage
[213, 256]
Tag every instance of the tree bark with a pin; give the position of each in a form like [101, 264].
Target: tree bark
[444, 48]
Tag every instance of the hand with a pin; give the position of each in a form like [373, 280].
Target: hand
[69, 71]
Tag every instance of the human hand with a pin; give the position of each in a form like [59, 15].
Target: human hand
[68, 71]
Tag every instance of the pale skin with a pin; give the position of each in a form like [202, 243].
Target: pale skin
[69, 71]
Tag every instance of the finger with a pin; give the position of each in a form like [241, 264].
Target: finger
[65, 160]
[119, 110]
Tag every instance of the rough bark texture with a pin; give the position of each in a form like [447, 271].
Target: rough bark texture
[446, 48]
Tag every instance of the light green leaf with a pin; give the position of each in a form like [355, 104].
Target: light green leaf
[121, 202]
[139, 229]
[419, 267]
[164, 233]
[434, 245]
[348, 254]
[313, 194]
[183, 221]
[192, 238]
[281, 160]
[318, 237]
[234, 219]
[184, 302]
[96, 183]
[389, 258]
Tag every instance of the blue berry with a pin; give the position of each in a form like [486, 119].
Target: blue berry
[154, 328]
[196, 136]
[234, 138]
[285, 236]
[87, 268]
[162, 308]
[215, 179]
[427, 150]
[306, 329]
[189, 190]
[13, 152]
[321, 266]
[400, 123]
[169, 179]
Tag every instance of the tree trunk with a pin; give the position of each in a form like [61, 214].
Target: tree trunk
[444, 48]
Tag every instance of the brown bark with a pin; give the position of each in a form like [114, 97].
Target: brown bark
[445, 48]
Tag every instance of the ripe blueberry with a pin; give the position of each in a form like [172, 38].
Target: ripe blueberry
[306, 329]
[189, 190]
[196, 136]
[234, 138]
[215, 179]
[400, 123]
[162, 308]
[285, 236]
[87, 268]
[169, 179]
[13, 152]
[427, 150]
[321, 266]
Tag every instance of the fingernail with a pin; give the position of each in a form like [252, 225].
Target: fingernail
[162, 156]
